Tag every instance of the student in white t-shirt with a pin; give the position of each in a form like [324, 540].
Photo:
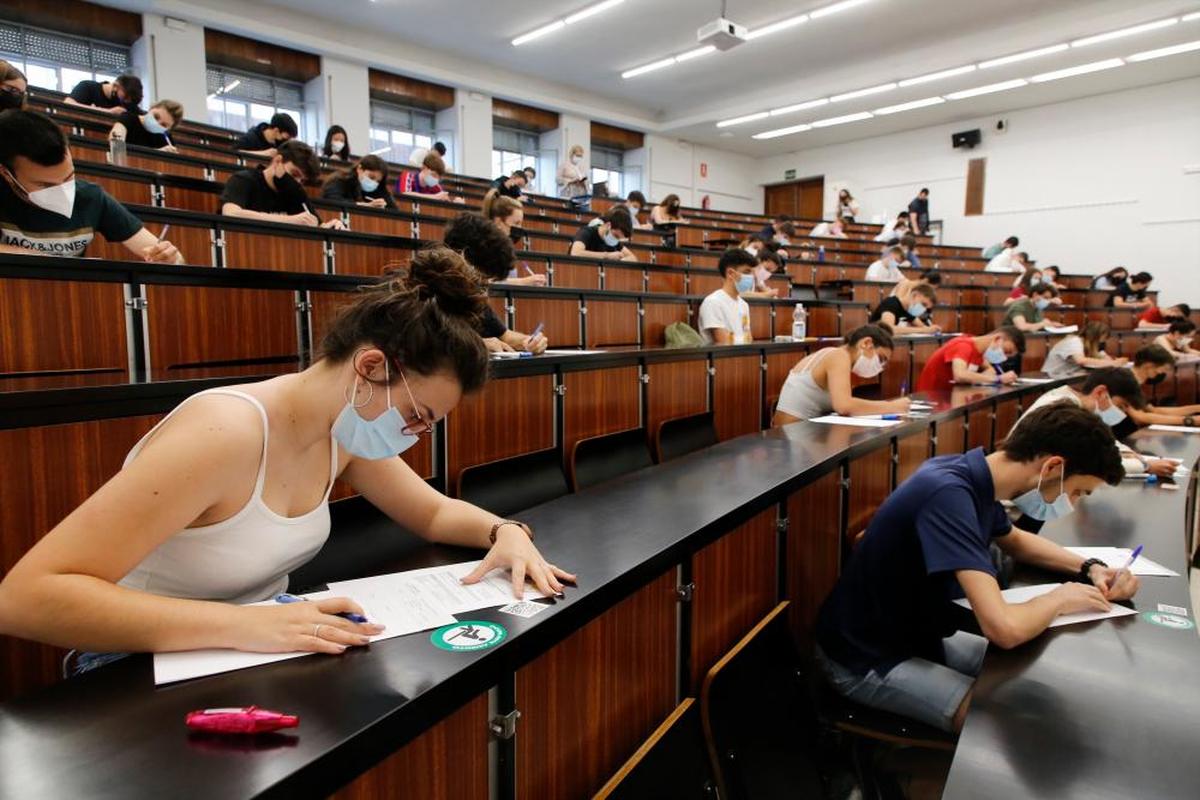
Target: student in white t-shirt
[832, 230]
[1076, 352]
[724, 315]
[886, 268]
[1008, 261]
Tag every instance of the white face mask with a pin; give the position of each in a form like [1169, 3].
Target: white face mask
[56, 199]
[337, 145]
[429, 180]
[576, 158]
[867, 367]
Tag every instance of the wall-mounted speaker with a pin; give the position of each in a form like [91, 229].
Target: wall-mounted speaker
[967, 139]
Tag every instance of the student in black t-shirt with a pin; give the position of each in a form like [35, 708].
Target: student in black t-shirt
[1131, 293]
[365, 184]
[512, 185]
[275, 192]
[13, 87]
[265, 137]
[606, 236]
[44, 210]
[149, 129]
[114, 96]
[905, 310]
[489, 250]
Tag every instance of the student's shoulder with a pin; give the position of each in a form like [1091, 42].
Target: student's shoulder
[214, 426]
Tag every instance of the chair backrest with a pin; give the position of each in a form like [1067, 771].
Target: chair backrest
[758, 717]
[513, 484]
[363, 541]
[678, 437]
[671, 765]
[603, 458]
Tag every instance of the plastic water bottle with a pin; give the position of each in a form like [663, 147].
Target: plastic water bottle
[821, 254]
[799, 322]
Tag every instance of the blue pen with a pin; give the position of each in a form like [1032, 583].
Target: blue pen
[537, 330]
[889, 416]
[291, 598]
[1132, 557]
[904, 388]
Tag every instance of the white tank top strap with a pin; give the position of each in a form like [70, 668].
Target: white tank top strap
[817, 356]
[333, 465]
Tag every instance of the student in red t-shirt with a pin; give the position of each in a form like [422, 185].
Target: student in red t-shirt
[972, 359]
[1163, 316]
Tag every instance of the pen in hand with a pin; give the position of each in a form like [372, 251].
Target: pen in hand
[1117, 575]
[348, 615]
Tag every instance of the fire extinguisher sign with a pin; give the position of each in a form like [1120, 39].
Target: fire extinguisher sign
[703, 169]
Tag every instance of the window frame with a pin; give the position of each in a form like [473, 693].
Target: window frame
[93, 69]
[394, 138]
[284, 96]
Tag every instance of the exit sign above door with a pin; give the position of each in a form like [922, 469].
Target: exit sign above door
[789, 174]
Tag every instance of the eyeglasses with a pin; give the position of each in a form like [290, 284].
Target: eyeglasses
[421, 425]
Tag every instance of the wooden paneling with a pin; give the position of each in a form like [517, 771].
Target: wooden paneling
[804, 198]
[976, 174]
[813, 551]
[265, 251]
[852, 317]
[913, 451]
[612, 323]
[666, 282]
[778, 367]
[1007, 412]
[447, 762]
[703, 283]
[624, 279]
[951, 436]
[195, 243]
[760, 322]
[676, 389]
[53, 325]
[387, 224]
[193, 325]
[515, 115]
[509, 417]
[979, 428]
[368, 259]
[598, 402]
[896, 375]
[50, 470]
[325, 306]
[870, 484]
[590, 701]
[736, 586]
[191, 200]
[166, 165]
[657, 317]
[736, 396]
[393, 88]
[576, 276]
[615, 138]
[127, 191]
[260, 58]
[561, 318]
[822, 321]
[78, 18]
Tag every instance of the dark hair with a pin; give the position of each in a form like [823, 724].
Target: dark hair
[733, 258]
[924, 190]
[294, 151]
[878, 334]
[787, 228]
[1013, 335]
[766, 256]
[520, 173]
[902, 216]
[1078, 436]
[131, 85]
[1111, 274]
[440, 148]
[1181, 326]
[32, 135]
[781, 218]
[1012, 241]
[1057, 271]
[10, 73]
[1119, 382]
[636, 197]
[530, 172]
[908, 240]
[425, 319]
[1043, 288]
[327, 150]
[285, 124]
[1184, 307]
[1095, 337]
[1154, 354]
[1024, 256]
[932, 277]
[924, 289]
[621, 220]
[670, 202]
[484, 246]
[368, 163]
[1141, 277]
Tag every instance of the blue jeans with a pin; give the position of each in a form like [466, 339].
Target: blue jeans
[917, 688]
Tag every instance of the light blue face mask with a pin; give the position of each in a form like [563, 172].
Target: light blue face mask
[152, 125]
[373, 439]
[1112, 415]
[1041, 304]
[994, 355]
[1032, 503]
[368, 184]
[745, 283]
[611, 240]
[917, 310]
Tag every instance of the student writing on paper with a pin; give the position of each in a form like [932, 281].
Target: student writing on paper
[229, 493]
[274, 192]
[607, 236]
[972, 359]
[1076, 352]
[509, 216]
[905, 309]
[1155, 317]
[1178, 339]
[1027, 314]
[886, 635]
[364, 183]
[820, 383]
[1151, 366]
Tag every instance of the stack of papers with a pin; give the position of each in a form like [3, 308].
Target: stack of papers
[861, 422]
[1119, 556]
[1026, 593]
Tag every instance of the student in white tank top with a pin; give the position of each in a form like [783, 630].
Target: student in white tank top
[229, 493]
[820, 383]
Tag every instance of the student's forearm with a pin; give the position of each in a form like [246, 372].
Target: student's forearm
[232, 210]
[462, 524]
[1157, 416]
[1021, 621]
[964, 375]
[1029, 548]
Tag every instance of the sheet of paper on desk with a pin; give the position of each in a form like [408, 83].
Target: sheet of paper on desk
[1174, 428]
[572, 352]
[439, 587]
[401, 614]
[1061, 329]
[1034, 381]
[1118, 556]
[862, 422]
[1024, 594]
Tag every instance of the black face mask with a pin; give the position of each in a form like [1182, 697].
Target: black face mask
[11, 99]
[517, 234]
[1157, 379]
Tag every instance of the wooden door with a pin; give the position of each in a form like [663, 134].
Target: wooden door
[804, 199]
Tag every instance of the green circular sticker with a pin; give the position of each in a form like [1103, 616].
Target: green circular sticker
[469, 635]
[1169, 620]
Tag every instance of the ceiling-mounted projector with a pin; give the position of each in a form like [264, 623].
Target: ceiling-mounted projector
[721, 33]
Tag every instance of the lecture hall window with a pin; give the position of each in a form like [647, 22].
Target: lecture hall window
[512, 150]
[57, 61]
[398, 130]
[239, 100]
[608, 166]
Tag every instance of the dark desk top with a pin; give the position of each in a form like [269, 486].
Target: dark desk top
[1107, 709]
[113, 734]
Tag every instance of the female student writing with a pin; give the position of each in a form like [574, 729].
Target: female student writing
[819, 384]
[1074, 352]
[228, 494]
[509, 216]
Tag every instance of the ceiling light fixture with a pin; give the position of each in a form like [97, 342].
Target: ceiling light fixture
[1028, 54]
[653, 65]
[896, 109]
[725, 123]
[1195, 15]
[1082, 69]
[1107, 37]
[776, 27]
[570, 19]
[937, 76]
[822, 101]
[775, 134]
[989, 89]
[835, 8]
[830, 121]
[690, 54]
[883, 87]
[1147, 55]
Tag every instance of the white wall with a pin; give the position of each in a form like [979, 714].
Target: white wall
[471, 123]
[672, 166]
[340, 95]
[171, 62]
[1086, 184]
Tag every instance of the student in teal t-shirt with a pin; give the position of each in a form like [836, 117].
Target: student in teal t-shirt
[45, 210]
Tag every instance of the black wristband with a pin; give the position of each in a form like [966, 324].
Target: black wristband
[1086, 567]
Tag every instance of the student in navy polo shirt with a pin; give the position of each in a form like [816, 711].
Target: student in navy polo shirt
[886, 634]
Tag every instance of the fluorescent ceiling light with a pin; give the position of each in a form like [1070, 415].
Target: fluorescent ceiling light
[828, 121]
[1105, 37]
[1082, 69]
[928, 101]
[937, 76]
[991, 87]
[776, 27]
[1147, 55]
[884, 87]
[537, 34]
[653, 65]
[835, 8]
[590, 10]
[699, 51]
[1028, 54]
[775, 134]
[1189, 17]
[725, 123]
[775, 112]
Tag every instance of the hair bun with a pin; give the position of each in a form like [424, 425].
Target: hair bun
[440, 274]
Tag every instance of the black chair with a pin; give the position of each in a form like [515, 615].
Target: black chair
[759, 722]
[603, 458]
[671, 765]
[513, 484]
[678, 437]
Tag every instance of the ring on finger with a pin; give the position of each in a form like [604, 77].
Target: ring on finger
[317, 630]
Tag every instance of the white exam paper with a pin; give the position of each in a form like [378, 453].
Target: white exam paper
[1061, 329]
[1116, 557]
[1026, 593]
[1174, 428]
[439, 587]
[862, 422]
